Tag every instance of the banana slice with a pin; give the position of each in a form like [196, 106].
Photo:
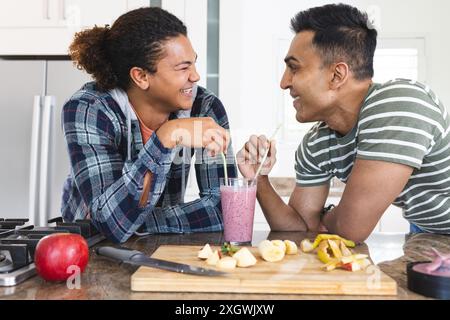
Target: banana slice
[364, 263]
[279, 243]
[213, 258]
[353, 257]
[291, 247]
[226, 263]
[205, 252]
[270, 252]
[244, 258]
[306, 245]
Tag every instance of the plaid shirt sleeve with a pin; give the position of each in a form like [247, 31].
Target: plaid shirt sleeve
[203, 214]
[110, 186]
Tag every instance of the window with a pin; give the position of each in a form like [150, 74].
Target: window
[399, 58]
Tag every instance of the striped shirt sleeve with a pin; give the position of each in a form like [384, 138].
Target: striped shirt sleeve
[399, 124]
[307, 172]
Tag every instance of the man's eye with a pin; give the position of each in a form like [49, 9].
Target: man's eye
[292, 68]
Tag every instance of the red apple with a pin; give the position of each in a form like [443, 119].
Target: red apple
[57, 252]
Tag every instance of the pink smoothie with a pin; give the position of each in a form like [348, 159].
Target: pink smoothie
[238, 209]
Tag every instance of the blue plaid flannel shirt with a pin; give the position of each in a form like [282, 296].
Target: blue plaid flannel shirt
[106, 187]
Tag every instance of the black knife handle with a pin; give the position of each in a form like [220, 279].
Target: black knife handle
[123, 254]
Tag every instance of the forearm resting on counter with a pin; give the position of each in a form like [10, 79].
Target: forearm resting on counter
[279, 215]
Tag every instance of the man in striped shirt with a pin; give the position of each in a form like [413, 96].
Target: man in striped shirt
[388, 142]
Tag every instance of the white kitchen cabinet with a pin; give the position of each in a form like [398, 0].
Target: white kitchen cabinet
[86, 13]
[47, 27]
[27, 13]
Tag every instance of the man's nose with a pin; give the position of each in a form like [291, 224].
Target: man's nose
[285, 82]
[194, 76]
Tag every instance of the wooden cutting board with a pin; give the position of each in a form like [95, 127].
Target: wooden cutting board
[300, 273]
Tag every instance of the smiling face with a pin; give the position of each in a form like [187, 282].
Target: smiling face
[171, 87]
[307, 80]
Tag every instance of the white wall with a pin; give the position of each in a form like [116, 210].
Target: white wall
[250, 65]
[194, 16]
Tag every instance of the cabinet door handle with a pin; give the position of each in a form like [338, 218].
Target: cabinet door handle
[46, 157]
[45, 8]
[62, 9]
[34, 161]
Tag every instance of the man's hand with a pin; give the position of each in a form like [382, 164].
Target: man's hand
[251, 155]
[194, 133]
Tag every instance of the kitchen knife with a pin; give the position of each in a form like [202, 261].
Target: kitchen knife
[137, 258]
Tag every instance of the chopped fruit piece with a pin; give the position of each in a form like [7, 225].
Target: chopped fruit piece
[324, 252]
[351, 266]
[306, 245]
[331, 265]
[364, 263]
[344, 250]
[321, 237]
[353, 257]
[279, 243]
[244, 258]
[226, 263]
[270, 252]
[335, 249]
[213, 258]
[205, 252]
[291, 247]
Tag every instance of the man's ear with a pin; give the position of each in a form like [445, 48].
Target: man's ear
[140, 78]
[340, 74]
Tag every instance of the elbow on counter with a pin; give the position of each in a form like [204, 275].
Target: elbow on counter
[117, 237]
[356, 234]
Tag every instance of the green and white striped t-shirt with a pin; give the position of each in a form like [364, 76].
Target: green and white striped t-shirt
[401, 121]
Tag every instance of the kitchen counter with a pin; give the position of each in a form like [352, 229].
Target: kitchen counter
[105, 279]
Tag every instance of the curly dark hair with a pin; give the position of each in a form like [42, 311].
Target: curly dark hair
[340, 32]
[135, 40]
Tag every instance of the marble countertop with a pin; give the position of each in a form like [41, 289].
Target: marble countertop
[104, 279]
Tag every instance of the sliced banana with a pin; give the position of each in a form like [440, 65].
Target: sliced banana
[279, 243]
[291, 247]
[353, 258]
[364, 263]
[306, 245]
[270, 252]
[205, 252]
[244, 258]
[226, 263]
[213, 258]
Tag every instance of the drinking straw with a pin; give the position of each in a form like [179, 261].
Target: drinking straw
[225, 170]
[267, 152]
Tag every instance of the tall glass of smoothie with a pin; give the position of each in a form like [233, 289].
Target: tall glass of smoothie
[238, 197]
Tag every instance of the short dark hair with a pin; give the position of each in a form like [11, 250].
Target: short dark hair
[135, 40]
[340, 32]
